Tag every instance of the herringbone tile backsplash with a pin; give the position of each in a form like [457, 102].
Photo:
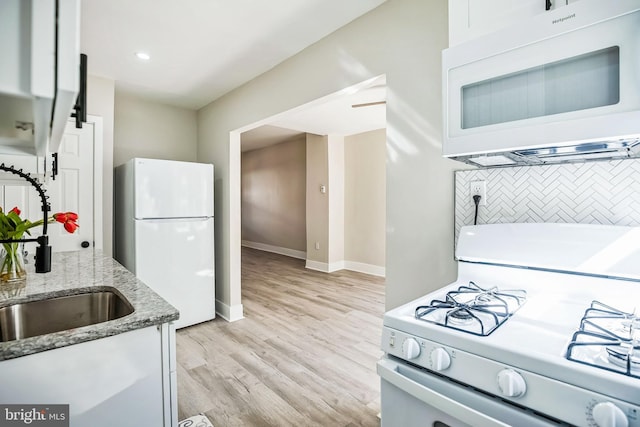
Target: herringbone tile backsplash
[588, 193]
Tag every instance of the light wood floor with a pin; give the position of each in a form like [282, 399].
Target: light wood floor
[304, 355]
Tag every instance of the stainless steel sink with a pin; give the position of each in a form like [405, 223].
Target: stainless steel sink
[60, 313]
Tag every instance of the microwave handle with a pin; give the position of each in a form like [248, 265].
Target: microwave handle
[388, 370]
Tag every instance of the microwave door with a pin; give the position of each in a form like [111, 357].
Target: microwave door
[505, 92]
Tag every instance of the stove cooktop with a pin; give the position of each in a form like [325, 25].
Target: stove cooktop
[470, 332]
[535, 336]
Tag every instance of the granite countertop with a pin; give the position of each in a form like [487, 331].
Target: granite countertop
[78, 272]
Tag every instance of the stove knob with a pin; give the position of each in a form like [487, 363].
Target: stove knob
[607, 414]
[440, 359]
[410, 348]
[511, 383]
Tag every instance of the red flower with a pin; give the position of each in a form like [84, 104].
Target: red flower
[70, 226]
[68, 219]
[12, 227]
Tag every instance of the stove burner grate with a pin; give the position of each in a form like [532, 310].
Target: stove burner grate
[473, 309]
[625, 355]
[609, 339]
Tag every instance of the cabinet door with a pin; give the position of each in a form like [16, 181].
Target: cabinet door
[114, 381]
[27, 73]
[469, 19]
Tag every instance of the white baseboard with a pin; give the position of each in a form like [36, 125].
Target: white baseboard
[374, 270]
[317, 266]
[336, 266]
[275, 249]
[321, 266]
[229, 313]
[360, 267]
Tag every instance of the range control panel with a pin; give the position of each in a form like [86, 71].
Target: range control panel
[573, 404]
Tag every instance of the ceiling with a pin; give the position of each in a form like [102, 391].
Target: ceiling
[202, 49]
[336, 116]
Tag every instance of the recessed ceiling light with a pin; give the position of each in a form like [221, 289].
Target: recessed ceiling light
[143, 55]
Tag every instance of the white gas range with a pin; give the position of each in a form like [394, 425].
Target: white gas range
[539, 329]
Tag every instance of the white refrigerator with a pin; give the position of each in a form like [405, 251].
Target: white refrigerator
[164, 232]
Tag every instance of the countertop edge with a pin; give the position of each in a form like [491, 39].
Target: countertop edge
[79, 272]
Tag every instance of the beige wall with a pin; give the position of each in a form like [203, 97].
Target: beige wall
[100, 96]
[135, 127]
[402, 39]
[145, 128]
[273, 195]
[335, 193]
[347, 221]
[317, 202]
[364, 197]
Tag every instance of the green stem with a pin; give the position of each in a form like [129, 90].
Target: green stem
[12, 267]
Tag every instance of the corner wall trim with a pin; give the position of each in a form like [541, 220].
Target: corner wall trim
[229, 313]
[275, 249]
[317, 266]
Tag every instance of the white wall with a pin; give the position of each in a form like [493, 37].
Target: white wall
[273, 196]
[402, 39]
[100, 96]
[145, 128]
[365, 198]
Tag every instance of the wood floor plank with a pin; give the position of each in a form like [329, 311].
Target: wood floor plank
[307, 403]
[304, 355]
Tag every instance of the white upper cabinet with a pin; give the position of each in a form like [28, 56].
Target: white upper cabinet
[469, 19]
[38, 80]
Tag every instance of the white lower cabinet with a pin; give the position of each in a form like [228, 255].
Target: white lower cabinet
[122, 380]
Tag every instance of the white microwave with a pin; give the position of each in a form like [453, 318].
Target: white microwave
[562, 86]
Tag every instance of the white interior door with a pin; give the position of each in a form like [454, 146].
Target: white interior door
[72, 189]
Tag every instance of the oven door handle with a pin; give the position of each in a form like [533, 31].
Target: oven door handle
[388, 370]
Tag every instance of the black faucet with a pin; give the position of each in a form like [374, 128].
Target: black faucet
[43, 251]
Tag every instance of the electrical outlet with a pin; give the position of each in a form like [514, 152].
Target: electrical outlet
[479, 188]
[317, 246]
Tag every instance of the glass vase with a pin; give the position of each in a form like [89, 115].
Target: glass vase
[12, 263]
